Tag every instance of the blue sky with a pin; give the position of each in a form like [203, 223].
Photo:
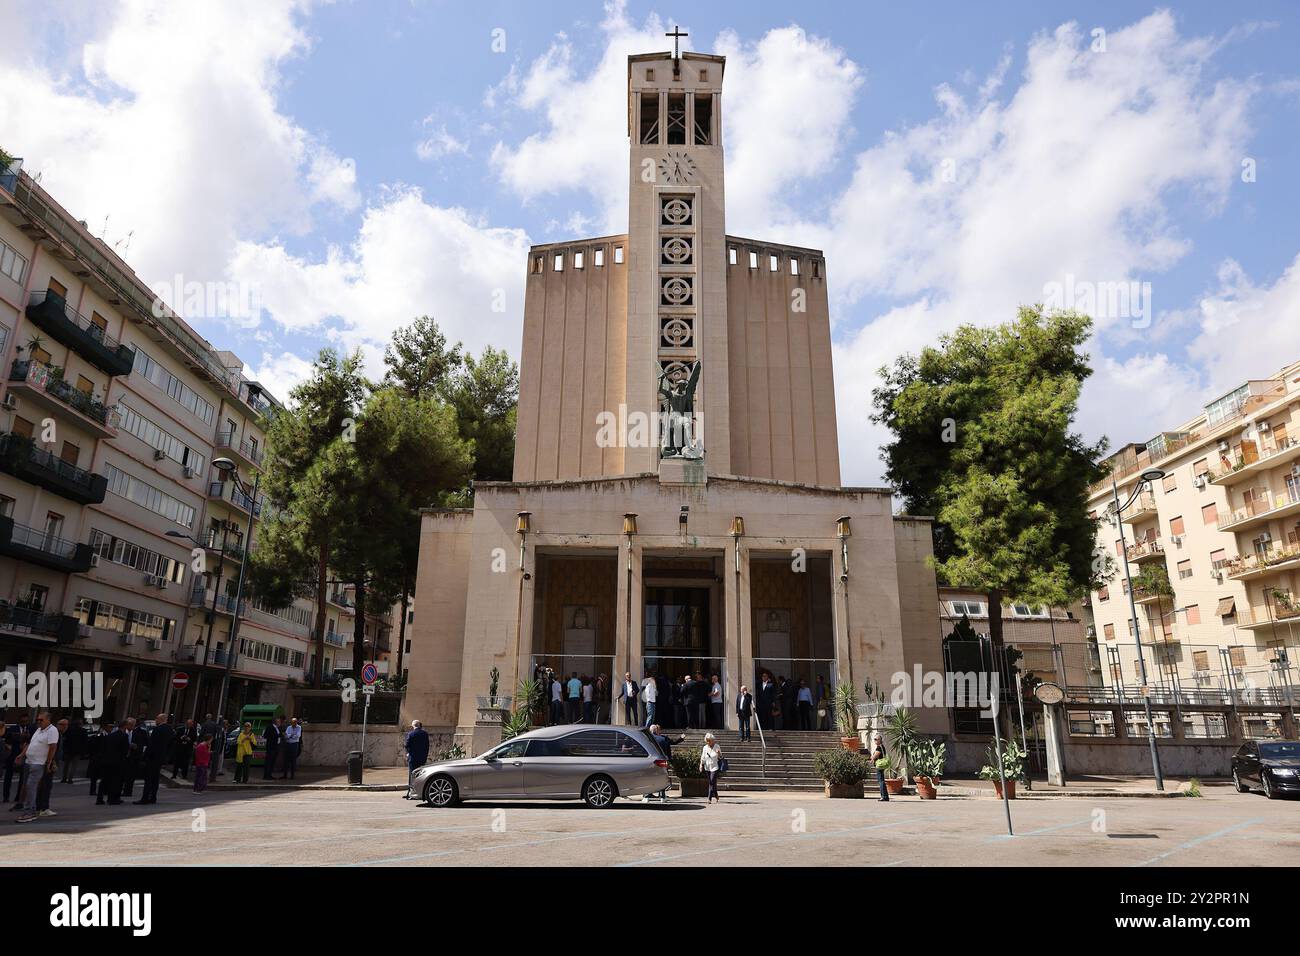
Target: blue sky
[359, 163]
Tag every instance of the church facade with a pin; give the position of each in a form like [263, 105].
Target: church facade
[676, 505]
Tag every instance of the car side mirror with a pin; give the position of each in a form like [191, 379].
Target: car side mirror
[490, 758]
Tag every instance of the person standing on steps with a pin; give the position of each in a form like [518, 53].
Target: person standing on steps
[744, 712]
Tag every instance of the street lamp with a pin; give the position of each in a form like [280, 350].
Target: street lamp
[1145, 479]
[212, 617]
[227, 468]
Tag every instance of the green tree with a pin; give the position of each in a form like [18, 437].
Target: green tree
[309, 480]
[1152, 578]
[419, 361]
[485, 394]
[982, 441]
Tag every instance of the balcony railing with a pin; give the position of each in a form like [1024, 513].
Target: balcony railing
[1250, 459]
[202, 597]
[1144, 550]
[43, 377]
[228, 492]
[1144, 507]
[246, 449]
[51, 312]
[1259, 563]
[335, 638]
[1263, 504]
[20, 457]
[43, 548]
[22, 620]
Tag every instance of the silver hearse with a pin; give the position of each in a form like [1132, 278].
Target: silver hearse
[568, 762]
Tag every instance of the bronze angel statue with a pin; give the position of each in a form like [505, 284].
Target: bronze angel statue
[677, 414]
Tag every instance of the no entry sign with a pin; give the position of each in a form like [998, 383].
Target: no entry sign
[180, 680]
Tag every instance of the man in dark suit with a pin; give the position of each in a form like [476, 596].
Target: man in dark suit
[139, 740]
[628, 694]
[699, 702]
[766, 701]
[16, 735]
[74, 747]
[744, 711]
[156, 753]
[272, 748]
[789, 707]
[111, 755]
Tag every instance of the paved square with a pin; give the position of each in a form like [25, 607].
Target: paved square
[332, 828]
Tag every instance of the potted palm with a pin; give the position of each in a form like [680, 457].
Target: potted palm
[1013, 767]
[846, 716]
[926, 759]
[901, 731]
[685, 762]
[842, 771]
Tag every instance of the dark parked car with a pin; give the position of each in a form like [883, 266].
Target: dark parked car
[1272, 765]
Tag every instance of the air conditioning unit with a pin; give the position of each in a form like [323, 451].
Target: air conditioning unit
[83, 631]
[1295, 471]
[154, 643]
[10, 402]
[150, 580]
[94, 560]
[162, 584]
[159, 454]
[1263, 426]
[1223, 446]
[1176, 539]
[1199, 481]
[127, 638]
[1217, 574]
[189, 472]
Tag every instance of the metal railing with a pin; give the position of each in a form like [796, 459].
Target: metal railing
[74, 317]
[1258, 507]
[24, 448]
[226, 439]
[42, 376]
[39, 540]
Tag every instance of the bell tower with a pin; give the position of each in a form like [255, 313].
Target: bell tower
[677, 279]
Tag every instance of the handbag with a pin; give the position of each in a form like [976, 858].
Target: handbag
[722, 766]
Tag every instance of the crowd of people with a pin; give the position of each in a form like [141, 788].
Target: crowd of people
[691, 701]
[118, 754]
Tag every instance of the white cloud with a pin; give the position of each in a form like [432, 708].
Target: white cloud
[437, 142]
[280, 373]
[410, 258]
[1068, 177]
[164, 118]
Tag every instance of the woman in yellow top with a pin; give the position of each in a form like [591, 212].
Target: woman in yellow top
[244, 745]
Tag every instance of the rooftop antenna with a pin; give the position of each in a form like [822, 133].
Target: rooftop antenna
[677, 35]
[104, 229]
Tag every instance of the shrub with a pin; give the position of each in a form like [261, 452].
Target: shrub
[685, 762]
[927, 758]
[1193, 788]
[842, 766]
[1013, 761]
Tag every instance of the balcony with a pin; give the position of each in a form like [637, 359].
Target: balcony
[38, 547]
[1265, 616]
[50, 312]
[1252, 460]
[335, 638]
[1261, 510]
[1143, 596]
[23, 621]
[340, 599]
[1145, 551]
[43, 386]
[1262, 564]
[20, 457]
[1142, 509]
[224, 603]
[227, 492]
[248, 453]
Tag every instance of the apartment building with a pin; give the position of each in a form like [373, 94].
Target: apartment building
[1223, 520]
[120, 540]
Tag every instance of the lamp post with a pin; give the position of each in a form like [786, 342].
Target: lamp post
[227, 467]
[212, 617]
[1146, 478]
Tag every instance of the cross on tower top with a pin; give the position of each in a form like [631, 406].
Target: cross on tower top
[677, 35]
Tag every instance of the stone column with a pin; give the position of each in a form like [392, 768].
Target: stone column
[527, 599]
[627, 637]
[740, 657]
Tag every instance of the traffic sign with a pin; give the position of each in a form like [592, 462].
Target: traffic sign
[370, 673]
[368, 689]
[180, 680]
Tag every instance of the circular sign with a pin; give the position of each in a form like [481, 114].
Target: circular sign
[180, 680]
[1049, 693]
[370, 673]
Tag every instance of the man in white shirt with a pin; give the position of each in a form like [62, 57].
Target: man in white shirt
[292, 745]
[649, 695]
[628, 696]
[39, 757]
[557, 701]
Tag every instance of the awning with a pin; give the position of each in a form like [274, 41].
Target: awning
[1227, 606]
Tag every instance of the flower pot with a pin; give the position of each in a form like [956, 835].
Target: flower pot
[893, 786]
[1011, 789]
[694, 786]
[851, 743]
[844, 791]
[925, 788]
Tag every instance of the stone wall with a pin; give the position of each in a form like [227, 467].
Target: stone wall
[328, 745]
